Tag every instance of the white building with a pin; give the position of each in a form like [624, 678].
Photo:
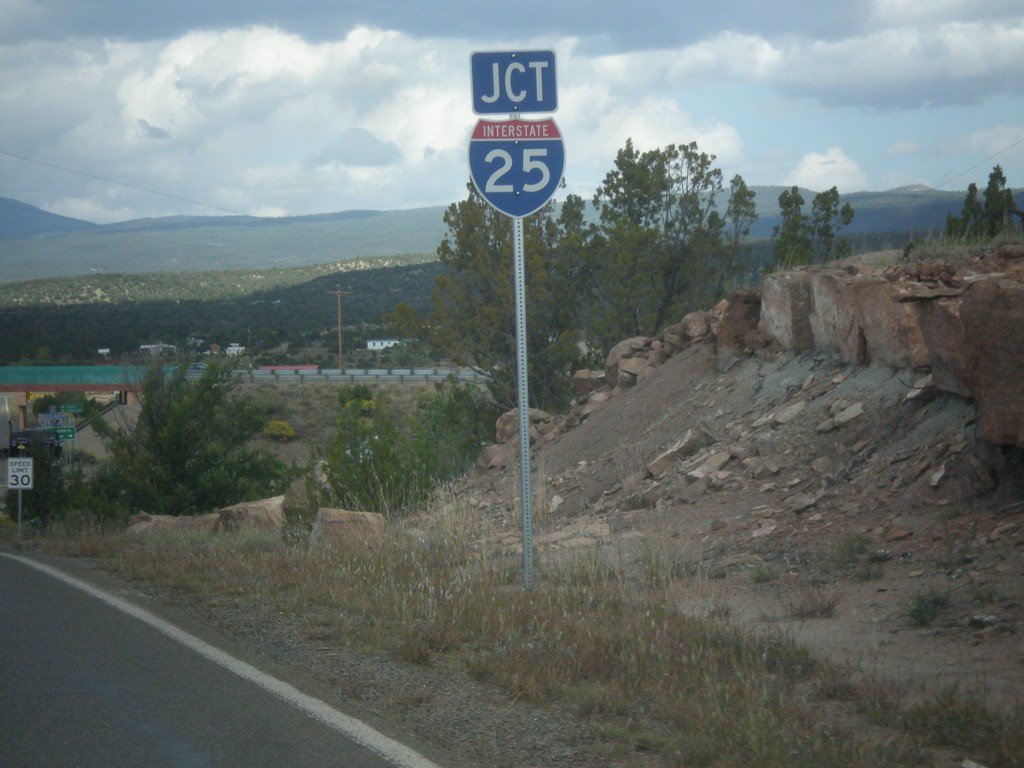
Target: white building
[375, 345]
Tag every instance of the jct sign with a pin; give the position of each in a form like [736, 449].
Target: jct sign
[517, 164]
[510, 82]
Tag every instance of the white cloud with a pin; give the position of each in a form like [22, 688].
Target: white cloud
[821, 171]
[908, 67]
[250, 117]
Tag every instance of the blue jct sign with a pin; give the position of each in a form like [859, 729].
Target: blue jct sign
[514, 82]
[517, 164]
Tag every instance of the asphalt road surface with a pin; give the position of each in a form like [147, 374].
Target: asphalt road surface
[89, 679]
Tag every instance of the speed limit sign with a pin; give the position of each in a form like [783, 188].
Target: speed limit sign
[19, 474]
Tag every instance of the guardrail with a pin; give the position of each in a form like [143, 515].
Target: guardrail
[360, 376]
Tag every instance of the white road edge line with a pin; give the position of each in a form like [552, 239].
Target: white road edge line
[358, 731]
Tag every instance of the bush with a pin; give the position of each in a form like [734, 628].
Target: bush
[386, 460]
[925, 606]
[279, 430]
[188, 452]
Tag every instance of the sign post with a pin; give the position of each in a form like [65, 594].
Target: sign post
[517, 165]
[19, 477]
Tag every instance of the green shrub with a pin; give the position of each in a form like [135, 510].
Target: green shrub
[279, 430]
[386, 459]
[925, 606]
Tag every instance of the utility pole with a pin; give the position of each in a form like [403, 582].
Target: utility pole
[337, 292]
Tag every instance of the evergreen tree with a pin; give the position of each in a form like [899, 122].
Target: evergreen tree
[801, 239]
[474, 320]
[660, 240]
[999, 207]
[791, 239]
[188, 451]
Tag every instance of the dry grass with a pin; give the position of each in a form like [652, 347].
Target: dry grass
[600, 632]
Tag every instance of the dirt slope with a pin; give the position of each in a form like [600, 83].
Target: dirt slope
[838, 503]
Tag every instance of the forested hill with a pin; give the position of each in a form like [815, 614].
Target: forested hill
[68, 319]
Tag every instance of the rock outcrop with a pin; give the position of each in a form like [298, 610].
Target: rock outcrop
[963, 321]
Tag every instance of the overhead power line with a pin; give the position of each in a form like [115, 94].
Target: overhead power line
[983, 162]
[124, 184]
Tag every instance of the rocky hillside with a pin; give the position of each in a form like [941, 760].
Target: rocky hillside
[838, 456]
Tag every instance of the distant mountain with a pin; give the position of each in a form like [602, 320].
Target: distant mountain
[37, 244]
[913, 209]
[203, 243]
[20, 220]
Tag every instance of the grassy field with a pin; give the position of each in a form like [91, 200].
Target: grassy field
[600, 633]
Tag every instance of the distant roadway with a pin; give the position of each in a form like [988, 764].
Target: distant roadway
[93, 680]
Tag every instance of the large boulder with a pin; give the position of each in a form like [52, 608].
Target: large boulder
[786, 309]
[265, 513]
[585, 382]
[506, 429]
[689, 444]
[992, 314]
[635, 347]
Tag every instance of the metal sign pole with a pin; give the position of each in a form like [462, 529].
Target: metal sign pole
[523, 395]
[516, 166]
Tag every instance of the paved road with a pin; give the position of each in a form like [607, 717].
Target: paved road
[83, 684]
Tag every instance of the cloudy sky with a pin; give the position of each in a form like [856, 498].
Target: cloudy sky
[119, 109]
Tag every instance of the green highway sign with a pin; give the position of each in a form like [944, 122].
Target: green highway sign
[71, 407]
[66, 433]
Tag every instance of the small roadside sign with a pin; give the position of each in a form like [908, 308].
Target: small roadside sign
[66, 433]
[19, 474]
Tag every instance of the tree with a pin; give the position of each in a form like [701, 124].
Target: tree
[660, 237]
[970, 215]
[369, 464]
[474, 317]
[188, 451]
[801, 239]
[825, 209]
[387, 460]
[988, 217]
[999, 207]
[740, 214]
[791, 239]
